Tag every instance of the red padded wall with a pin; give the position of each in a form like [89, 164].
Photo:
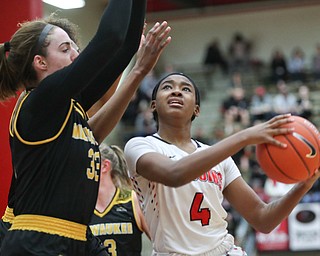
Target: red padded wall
[11, 13]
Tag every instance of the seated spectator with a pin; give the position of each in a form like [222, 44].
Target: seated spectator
[235, 109]
[214, 57]
[278, 66]
[236, 80]
[147, 85]
[304, 108]
[296, 65]
[316, 63]
[129, 116]
[144, 122]
[217, 134]
[128, 120]
[261, 105]
[284, 101]
[240, 53]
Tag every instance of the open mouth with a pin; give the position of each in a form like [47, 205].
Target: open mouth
[175, 102]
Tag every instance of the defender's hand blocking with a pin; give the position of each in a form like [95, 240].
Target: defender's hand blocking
[151, 47]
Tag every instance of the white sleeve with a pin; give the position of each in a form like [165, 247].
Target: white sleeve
[134, 149]
[231, 170]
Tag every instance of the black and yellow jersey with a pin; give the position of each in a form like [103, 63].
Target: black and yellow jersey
[117, 227]
[56, 159]
[57, 176]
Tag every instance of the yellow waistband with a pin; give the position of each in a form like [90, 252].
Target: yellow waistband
[8, 215]
[50, 225]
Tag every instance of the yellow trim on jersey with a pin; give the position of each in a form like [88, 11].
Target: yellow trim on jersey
[80, 110]
[8, 215]
[32, 143]
[50, 225]
[14, 112]
[115, 200]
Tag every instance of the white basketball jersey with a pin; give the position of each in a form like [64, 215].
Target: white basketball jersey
[189, 219]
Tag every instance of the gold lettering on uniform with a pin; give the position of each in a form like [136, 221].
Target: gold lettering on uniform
[89, 135]
[95, 230]
[76, 131]
[109, 229]
[102, 229]
[129, 228]
[97, 162]
[92, 173]
[116, 228]
[124, 228]
[83, 133]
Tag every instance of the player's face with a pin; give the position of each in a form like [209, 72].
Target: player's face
[61, 52]
[176, 98]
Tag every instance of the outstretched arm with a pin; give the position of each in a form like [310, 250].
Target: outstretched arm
[151, 48]
[116, 65]
[94, 109]
[68, 82]
[53, 95]
[159, 168]
[262, 216]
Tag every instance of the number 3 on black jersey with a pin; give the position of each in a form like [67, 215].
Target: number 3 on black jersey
[92, 173]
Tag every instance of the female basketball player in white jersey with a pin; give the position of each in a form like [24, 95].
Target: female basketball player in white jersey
[181, 182]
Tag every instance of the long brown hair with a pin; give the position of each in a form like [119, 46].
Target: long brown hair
[16, 56]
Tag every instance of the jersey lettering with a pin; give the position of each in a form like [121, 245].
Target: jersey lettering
[111, 246]
[83, 133]
[92, 171]
[211, 176]
[112, 229]
[198, 213]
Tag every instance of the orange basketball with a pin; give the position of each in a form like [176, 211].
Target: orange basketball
[296, 162]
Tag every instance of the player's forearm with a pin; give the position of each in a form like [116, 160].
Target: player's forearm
[212, 156]
[178, 173]
[110, 114]
[276, 211]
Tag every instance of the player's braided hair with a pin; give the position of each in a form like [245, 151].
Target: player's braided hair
[119, 168]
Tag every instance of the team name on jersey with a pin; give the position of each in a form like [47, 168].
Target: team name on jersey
[83, 133]
[211, 176]
[112, 229]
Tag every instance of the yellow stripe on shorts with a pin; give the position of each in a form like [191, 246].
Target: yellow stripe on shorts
[8, 215]
[50, 225]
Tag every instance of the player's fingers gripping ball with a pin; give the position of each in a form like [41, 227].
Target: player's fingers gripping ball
[299, 160]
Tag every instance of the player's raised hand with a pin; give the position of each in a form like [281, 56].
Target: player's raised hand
[143, 37]
[151, 47]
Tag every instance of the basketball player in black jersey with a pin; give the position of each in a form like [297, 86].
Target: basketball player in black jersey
[55, 155]
[106, 119]
[117, 219]
[146, 62]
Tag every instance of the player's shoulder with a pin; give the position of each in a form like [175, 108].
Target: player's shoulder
[139, 140]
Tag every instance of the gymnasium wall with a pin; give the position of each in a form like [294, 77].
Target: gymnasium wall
[285, 27]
